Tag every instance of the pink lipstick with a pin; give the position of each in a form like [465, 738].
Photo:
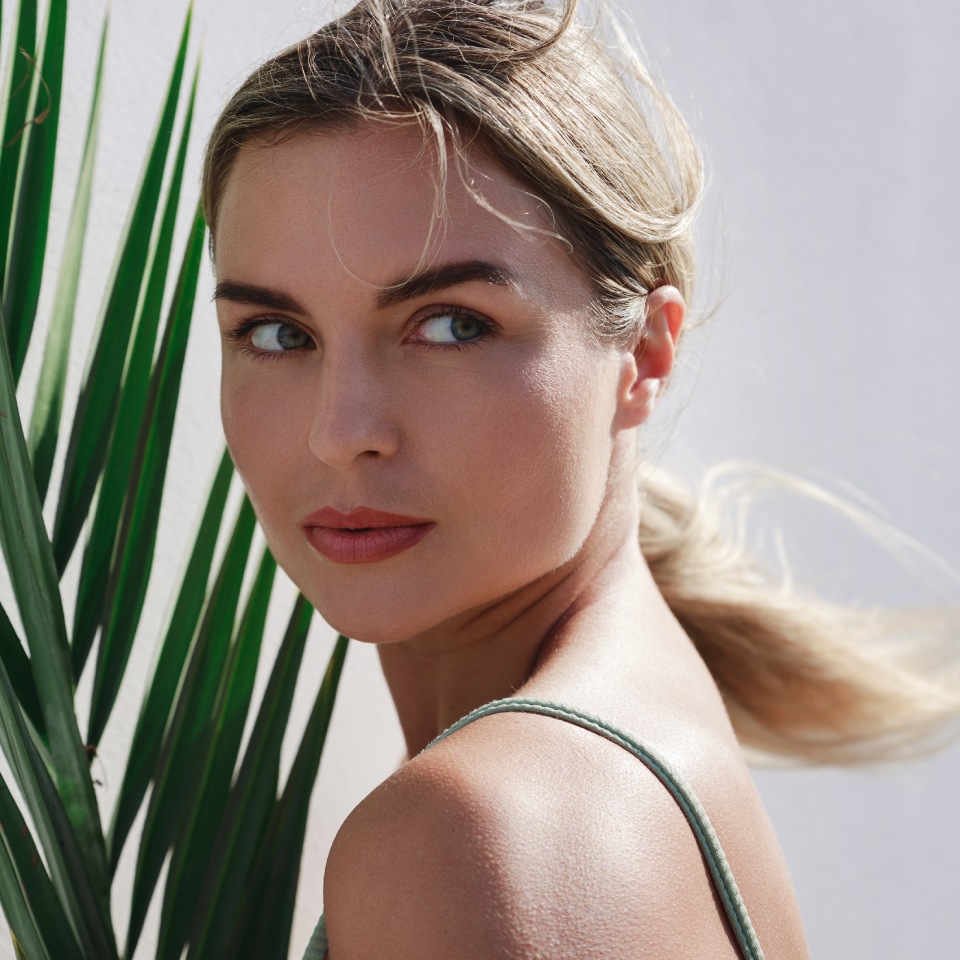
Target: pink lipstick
[363, 535]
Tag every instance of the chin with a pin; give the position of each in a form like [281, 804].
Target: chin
[378, 634]
[372, 622]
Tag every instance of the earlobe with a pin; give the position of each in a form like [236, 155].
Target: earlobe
[651, 360]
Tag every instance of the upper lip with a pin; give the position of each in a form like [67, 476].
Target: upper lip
[360, 518]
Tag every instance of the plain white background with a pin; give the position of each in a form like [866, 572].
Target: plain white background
[829, 243]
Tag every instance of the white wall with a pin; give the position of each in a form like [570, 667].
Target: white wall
[832, 229]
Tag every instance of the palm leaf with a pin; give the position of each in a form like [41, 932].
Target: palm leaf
[31, 205]
[266, 915]
[48, 933]
[148, 736]
[251, 800]
[88, 913]
[187, 745]
[96, 408]
[21, 68]
[17, 663]
[13, 901]
[138, 529]
[34, 578]
[48, 400]
[192, 853]
[120, 480]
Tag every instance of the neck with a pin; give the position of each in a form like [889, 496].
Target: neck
[491, 652]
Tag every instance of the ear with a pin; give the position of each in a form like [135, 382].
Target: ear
[650, 361]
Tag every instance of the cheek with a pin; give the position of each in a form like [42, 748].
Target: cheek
[242, 421]
[261, 429]
[539, 473]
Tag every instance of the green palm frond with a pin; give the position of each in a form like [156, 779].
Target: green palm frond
[233, 840]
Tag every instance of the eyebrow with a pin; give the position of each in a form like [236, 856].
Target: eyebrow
[444, 276]
[237, 292]
[426, 281]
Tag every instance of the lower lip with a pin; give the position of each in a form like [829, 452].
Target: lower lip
[365, 546]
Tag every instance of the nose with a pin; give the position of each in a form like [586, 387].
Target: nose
[352, 419]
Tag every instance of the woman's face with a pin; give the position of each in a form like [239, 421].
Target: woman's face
[433, 363]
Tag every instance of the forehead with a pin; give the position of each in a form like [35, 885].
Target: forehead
[371, 203]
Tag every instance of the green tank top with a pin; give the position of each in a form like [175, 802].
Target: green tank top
[693, 810]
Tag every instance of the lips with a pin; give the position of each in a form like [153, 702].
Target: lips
[363, 535]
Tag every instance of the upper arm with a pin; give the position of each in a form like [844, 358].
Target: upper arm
[413, 873]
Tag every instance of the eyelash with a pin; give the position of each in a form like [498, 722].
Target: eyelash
[239, 334]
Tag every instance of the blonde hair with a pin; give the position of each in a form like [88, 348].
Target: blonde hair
[539, 90]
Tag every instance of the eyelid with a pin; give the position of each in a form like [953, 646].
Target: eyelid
[241, 329]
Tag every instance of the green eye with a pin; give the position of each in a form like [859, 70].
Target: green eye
[276, 337]
[452, 327]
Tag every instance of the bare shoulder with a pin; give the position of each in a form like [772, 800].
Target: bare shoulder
[416, 869]
[521, 836]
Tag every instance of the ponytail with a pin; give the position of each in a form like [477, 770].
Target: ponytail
[802, 679]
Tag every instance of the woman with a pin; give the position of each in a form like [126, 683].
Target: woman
[453, 257]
